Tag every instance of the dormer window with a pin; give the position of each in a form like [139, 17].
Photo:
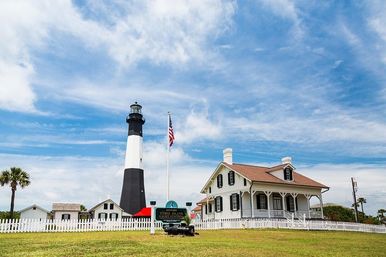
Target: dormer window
[231, 178]
[288, 173]
[210, 190]
[219, 181]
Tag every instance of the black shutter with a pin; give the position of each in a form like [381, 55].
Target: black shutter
[221, 203]
[221, 180]
[230, 200]
[258, 201]
[99, 216]
[238, 201]
[206, 209]
[291, 175]
[218, 180]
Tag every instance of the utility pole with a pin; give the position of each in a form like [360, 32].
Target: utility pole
[354, 190]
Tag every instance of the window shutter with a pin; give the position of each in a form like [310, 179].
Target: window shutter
[230, 202]
[229, 178]
[258, 201]
[221, 203]
[206, 209]
[99, 215]
[221, 180]
[238, 201]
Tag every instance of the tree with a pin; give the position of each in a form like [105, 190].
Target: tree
[362, 200]
[381, 212]
[381, 215]
[14, 177]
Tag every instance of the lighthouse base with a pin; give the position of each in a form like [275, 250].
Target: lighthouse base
[133, 191]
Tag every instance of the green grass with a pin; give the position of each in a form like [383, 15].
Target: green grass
[207, 243]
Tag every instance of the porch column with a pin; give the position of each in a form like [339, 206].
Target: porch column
[294, 195]
[268, 193]
[321, 205]
[283, 202]
[252, 207]
[308, 204]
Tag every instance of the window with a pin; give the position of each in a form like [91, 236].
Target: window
[277, 202]
[231, 178]
[105, 206]
[210, 208]
[111, 206]
[290, 203]
[102, 216]
[66, 216]
[113, 216]
[261, 201]
[288, 173]
[219, 181]
[210, 190]
[245, 182]
[218, 202]
[234, 202]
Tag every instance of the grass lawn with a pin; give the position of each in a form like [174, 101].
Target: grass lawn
[208, 243]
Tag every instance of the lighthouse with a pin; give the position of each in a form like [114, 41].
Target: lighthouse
[133, 189]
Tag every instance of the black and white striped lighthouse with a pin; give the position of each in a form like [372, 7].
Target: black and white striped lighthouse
[133, 189]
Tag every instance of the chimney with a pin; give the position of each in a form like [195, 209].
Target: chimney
[228, 155]
[286, 160]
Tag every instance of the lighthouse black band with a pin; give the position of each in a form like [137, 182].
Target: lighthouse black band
[133, 191]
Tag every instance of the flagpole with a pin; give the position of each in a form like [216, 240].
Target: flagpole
[167, 159]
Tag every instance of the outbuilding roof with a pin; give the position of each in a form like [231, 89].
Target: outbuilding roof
[107, 200]
[32, 206]
[66, 207]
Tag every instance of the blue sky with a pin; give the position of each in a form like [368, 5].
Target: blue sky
[268, 78]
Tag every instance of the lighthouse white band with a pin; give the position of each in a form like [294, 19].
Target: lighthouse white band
[133, 157]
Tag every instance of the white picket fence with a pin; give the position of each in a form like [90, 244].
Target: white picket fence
[30, 225]
[288, 224]
[36, 225]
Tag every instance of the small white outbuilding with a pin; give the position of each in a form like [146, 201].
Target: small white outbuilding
[34, 212]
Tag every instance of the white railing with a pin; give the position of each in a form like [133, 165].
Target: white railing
[287, 224]
[29, 225]
[263, 213]
[36, 225]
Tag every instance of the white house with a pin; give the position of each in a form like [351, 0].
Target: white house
[66, 211]
[247, 191]
[107, 209]
[34, 212]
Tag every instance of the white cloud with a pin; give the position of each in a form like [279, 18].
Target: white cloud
[197, 126]
[371, 183]
[16, 93]
[157, 31]
[287, 9]
[89, 180]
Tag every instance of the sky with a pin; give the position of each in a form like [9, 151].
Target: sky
[269, 79]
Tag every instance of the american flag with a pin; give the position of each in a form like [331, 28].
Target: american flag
[171, 133]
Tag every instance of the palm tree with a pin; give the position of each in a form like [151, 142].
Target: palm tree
[362, 200]
[381, 215]
[381, 212]
[15, 176]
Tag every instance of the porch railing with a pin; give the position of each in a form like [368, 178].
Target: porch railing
[259, 213]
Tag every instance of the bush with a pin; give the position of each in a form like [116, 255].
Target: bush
[5, 215]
